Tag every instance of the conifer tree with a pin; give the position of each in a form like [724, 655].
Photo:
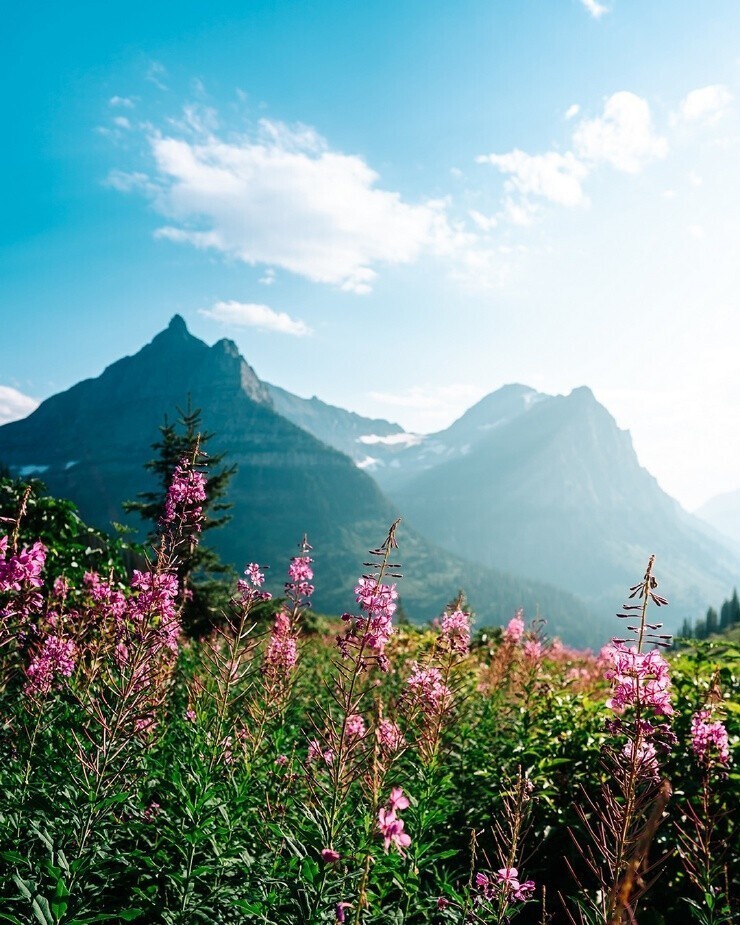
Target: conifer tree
[201, 570]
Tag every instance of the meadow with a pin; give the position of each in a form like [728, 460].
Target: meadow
[288, 767]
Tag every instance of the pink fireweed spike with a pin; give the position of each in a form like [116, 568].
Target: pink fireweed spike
[455, 631]
[184, 496]
[515, 629]
[709, 741]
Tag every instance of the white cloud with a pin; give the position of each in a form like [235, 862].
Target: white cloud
[622, 136]
[484, 222]
[252, 315]
[122, 122]
[14, 405]
[597, 10]
[282, 198]
[697, 231]
[706, 104]
[572, 111]
[268, 277]
[124, 101]
[553, 176]
[694, 178]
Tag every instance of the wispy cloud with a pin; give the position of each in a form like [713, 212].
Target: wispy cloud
[126, 102]
[597, 10]
[14, 405]
[253, 315]
[283, 198]
[155, 73]
[553, 176]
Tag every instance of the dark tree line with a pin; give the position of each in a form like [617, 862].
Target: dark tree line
[713, 622]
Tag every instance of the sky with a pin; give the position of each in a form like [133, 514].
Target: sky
[396, 206]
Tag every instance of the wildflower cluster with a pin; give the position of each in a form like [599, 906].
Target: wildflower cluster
[20, 572]
[709, 740]
[455, 631]
[515, 628]
[504, 884]
[185, 495]
[249, 587]
[55, 657]
[389, 736]
[427, 690]
[281, 653]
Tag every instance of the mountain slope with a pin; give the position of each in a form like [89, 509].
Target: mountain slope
[557, 492]
[343, 430]
[723, 514]
[89, 444]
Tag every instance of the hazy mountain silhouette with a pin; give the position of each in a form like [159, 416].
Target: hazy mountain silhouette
[551, 487]
[90, 442]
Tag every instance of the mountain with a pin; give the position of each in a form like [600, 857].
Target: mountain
[389, 453]
[550, 486]
[89, 444]
[723, 514]
[346, 431]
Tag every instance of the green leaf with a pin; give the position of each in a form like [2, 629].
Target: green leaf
[41, 910]
[22, 886]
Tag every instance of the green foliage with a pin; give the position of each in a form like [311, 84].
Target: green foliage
[217, 813]
[73, 547]
[201, 569]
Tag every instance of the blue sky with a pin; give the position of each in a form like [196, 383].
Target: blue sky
[396, 206]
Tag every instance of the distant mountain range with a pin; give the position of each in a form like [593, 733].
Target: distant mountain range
[546, 486]
[723, 513]
[89, 444]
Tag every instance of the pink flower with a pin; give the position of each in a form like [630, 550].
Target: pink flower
[515, 628]
[709, 741]
[533, 650]
[301, 574]
[455, 630]
[281, 653]
[24, 568]
[508, 875]
[339, 911]
[391, 828]
[637, 678]
[329, 856]
[525, 891]
[355, 727]
[254, 575]
[390, 738]
[646, 760]
[57, 657]
[316, 752]
[427, 690]
[397, 800]
[186, 491]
